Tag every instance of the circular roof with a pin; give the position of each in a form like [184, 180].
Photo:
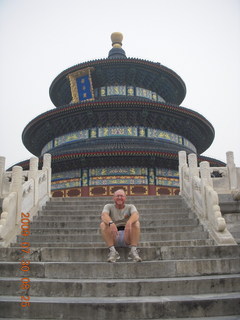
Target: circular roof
[133, 72]
[54, 123]
[117, 69]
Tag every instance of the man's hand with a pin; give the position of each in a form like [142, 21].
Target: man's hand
[128, 227]
[113, 230]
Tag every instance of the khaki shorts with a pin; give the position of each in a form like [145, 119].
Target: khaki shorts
[120, 243]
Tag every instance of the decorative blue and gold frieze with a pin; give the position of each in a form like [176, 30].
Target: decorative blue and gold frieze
[151, 176]
[117, 180]
[118, 131]
[100, 172]
[142, 132]
[121, 90]
[93, 133]
[162, 172]
[165, 181]
[66, 175]
[103, 91]
[85, 177]
[115, 176]
[130, 91]
[116, 91]
[64, 184]
[73, 136]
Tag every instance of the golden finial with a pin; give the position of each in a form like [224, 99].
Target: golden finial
[116, 38]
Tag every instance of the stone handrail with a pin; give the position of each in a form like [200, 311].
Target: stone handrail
[196, 187]
[22, 196]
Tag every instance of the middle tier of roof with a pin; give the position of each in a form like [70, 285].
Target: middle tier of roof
[128, 112]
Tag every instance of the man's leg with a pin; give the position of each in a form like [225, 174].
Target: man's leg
[107, 235]
[109, 238]
[132, 236]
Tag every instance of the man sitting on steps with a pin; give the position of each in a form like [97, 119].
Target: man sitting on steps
[120, 227]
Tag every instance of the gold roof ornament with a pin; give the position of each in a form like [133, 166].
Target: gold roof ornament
[117, 52]
[117, 38]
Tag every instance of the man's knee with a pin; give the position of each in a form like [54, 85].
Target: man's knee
[136, 225]
[102, 226]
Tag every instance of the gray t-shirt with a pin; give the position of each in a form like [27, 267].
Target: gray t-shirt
[119, 216]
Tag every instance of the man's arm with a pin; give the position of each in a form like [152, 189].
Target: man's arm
[133, 218]
[105, 217]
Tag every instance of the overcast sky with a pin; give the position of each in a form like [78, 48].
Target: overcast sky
[198, 39]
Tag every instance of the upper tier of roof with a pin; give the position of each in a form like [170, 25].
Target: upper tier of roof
[117, 69]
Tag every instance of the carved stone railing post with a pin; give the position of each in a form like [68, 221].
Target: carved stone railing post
[33, 174]
[33, 168]
[232, 172]
[193, 172]
[192, 160]
[16, 179]
[2, 170]
[182, 164]
[205, 181]
[47, 166]
[206, 173]
[16, 186]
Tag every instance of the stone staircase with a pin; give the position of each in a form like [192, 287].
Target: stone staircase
[184, 275]
[231, 212]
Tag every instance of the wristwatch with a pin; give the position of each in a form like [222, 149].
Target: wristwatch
[110, 222]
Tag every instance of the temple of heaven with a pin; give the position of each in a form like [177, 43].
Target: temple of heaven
[118, 123]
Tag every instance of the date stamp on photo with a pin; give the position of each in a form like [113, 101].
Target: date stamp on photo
[25, 264]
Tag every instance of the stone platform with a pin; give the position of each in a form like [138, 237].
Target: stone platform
[184, 275]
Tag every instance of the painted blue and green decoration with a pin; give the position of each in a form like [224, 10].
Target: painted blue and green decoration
[115, 176]
[118, 131]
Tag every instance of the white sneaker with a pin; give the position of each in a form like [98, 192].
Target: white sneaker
[133, 255]
[113, 256]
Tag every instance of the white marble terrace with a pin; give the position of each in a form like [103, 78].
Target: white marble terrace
[22, 192]
[201, 187]
[27, 191]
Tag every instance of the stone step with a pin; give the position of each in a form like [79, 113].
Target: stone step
[171, 199]
[87, 308]
[99, 254]
[237, 317]
[91, 206]
[98, 201]
[234, 227]
[103, 200]
[93, 211]
[232, 217]
[142, 244]
[98, 238]
[121, 287]
[87, 217]
[84, 224]
[88, 231]
[124, 270]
